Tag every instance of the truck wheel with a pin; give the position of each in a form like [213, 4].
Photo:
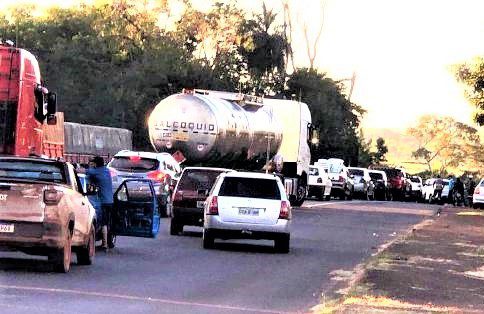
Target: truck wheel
[85, 254]
[281, 244]
[62, 257]
[300, 196]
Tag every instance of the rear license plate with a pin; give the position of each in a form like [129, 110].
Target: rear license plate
[200, 204]
[249, 211]
[7, 228]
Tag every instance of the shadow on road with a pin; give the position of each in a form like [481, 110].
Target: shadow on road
[23, 264]
[244, 247]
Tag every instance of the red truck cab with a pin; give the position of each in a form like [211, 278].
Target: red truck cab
[25, 105]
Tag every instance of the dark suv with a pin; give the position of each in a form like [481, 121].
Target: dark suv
[190, 194]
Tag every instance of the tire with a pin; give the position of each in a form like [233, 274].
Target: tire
[175, 228]
[85, 254]
[111, 239]
[207, 240]
[62, 257]
[327, 198]
[281, 244]
[342, 195]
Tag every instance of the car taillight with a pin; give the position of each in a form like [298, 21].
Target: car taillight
[156, 175]
[320, 180]
[213, 208]
[285, 212]
[178, 196]
[52, 196]
[341, 179]
[477, 190]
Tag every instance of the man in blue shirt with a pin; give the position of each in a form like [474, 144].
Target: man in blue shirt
[98, 174]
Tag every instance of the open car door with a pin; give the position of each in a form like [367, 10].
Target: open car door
[135, 209]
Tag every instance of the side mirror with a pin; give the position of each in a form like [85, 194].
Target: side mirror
[51, 103]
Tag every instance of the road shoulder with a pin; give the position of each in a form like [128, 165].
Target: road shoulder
[438, 266]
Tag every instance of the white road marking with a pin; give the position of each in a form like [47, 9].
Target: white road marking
[137, 298]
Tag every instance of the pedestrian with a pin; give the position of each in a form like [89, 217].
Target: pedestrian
[458, 192]
[98, 174]
[470, 190]
[451, 189]
[438, 187]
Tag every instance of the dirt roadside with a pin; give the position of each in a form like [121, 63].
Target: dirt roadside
[438, 267]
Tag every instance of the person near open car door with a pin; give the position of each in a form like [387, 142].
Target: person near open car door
[98, 174]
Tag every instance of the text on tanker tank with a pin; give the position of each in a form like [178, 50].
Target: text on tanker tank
[185, 125]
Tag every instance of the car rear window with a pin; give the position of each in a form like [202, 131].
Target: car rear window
[32, 170]
[313, 171]
[198, 179]
[134, 164]
[376, 176]
[250, 187]
[356, 172]
[415, 180]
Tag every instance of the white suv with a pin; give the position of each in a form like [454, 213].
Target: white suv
[319, 183]
[247, 205]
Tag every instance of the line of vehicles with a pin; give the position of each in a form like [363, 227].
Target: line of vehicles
[226, 142]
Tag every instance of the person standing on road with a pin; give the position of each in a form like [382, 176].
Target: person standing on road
[451, 189]
[458, 192]
[99, 175]
[438, 187]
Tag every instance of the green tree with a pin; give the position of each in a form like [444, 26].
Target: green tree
[472, 75]
[381, 151]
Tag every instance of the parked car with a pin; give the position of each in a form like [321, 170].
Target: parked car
[190, 194]
[342, 183]
[428, 191]
[44, 211]
[363, 185]
[248, 205]
[380, 181]
[160, 168]
[478, 196]
[398, 183]
[319, 183]
[416, 187]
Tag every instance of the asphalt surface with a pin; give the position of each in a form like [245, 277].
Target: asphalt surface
[173, 274]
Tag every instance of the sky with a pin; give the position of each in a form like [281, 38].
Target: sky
[400, 50]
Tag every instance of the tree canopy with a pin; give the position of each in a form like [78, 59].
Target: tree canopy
[111, 63]
[472, 75]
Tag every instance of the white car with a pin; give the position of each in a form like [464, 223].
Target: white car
[247, 205]
[363, 185]
[319, 183]
[428, 190]
[416, 185]
[478, 196]
[380, 182]
[161, 168]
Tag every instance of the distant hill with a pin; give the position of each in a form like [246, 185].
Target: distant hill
[400, 147]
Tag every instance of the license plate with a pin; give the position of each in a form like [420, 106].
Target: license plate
[200, 204]
[249, 211]
[7, 228]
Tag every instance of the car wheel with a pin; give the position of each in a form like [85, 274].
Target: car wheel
[207, 239]
[85, 254]
[281, 244]
[175, 227]
[111, 239]
[327, 198]
[62, 257]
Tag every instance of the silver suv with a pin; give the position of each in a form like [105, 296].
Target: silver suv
[160, 168]
[246, 205]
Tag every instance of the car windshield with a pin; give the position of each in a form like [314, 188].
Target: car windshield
[356, 172]
[198, 179]
[313, 171]
[250, 187]
[32, 170]
[335, 168]
[134, 163]
[376, 176]
[415, 180]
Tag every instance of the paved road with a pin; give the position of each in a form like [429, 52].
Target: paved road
[175, 275]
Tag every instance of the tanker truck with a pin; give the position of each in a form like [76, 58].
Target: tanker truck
[232, 130]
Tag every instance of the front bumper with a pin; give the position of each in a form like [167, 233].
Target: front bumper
[231, 230]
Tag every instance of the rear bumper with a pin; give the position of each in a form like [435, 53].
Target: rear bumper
[232, 230]
[33, 238]
[478, 199]
[188, 215]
